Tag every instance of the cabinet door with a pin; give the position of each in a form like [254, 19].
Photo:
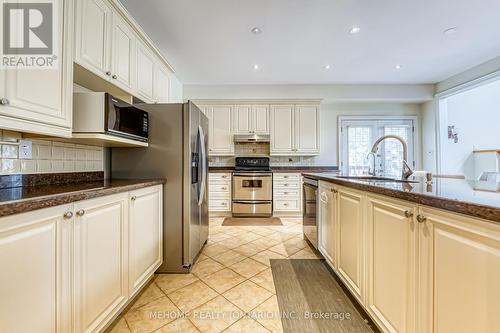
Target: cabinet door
[93, 36]
[162, 84]
[282, 129]
[307, 129]
[260, 119]
[391, 257]
[460, 268]
[327, 222]
[38, 98]
[35, 278]
[145, 235]
[220, 122]
[145, 68]
[243, 119]
[100, 260]
[350, 243]
[123, 54]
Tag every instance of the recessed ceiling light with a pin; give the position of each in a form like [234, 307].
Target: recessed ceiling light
[354, 30]
[255, 67]
[450, 31]
[256, 30]
[398, 67]
[326, 67]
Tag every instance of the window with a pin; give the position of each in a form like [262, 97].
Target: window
[357, 135]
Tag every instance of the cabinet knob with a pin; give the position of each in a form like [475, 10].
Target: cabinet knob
[133, 198]
[334, 191]
[421, 218]
[68, 215]
[224, 176]
[285, 204]
[108, 73]
[285, 193]
[4, 101]
[223, 188]
[81, 212]
[114, 76]
[408, 213]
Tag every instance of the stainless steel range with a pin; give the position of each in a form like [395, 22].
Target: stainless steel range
[252, 187]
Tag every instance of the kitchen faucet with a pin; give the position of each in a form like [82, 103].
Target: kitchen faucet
[406, 172]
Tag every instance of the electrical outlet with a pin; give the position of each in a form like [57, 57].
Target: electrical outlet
[25, 149]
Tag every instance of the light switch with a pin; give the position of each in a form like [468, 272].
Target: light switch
[25, 150]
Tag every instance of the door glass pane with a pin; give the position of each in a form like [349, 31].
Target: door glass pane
[359, 141]
[392, 157]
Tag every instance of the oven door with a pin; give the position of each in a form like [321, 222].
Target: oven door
[252, 187]
[309, 213]
[123, 119]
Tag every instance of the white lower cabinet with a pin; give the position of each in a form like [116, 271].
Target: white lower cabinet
[350, 239]
[67, 268]
[391, 262]
[327, 222]
[35, 272]
[413, 268]
[219, 192]
[460, 270]
[287, 193]
[145, 236]
[100, 260]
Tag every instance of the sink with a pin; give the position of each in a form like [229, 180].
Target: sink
[377, 179]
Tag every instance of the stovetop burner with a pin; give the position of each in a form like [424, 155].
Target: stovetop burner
[253, 164]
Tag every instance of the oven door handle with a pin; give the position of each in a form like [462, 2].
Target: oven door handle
[250, 175]
[252, 202]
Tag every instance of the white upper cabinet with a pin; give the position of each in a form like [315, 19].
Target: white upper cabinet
[242, 119]
[93, 36]
[307, 129]
[145, 73]
[282, 129]
[294, 129]
[251, 119]
[123, 54]
[260, 119]
[39, 100]
[220, 133]
[162, 84]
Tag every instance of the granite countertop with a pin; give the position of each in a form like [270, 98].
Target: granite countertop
[16, 200]
[473, 198]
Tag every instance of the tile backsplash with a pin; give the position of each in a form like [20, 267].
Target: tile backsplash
[48, 156]
[274, 160]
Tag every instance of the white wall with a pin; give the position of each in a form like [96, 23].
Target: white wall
[475, 114]
[337, 101]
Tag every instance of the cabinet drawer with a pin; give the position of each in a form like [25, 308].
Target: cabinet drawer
[287, 205]
[219, 177]
[286, 176]
[216, 187]
[219, 195]
[286, 185]
[285, 193]
[219, 204]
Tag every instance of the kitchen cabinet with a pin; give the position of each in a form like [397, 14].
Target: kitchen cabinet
[39, 100]
[219, 192]
[392, 263]
[161, 84]
[145, 73]
[93, 36]
[460, 269]
[123, 54]
[100, 260]
[35, 279]
[145, 235]
[350, 217]
[294, 130]
[287, 193]
[220, 135]
[251, 119]
[327, 222]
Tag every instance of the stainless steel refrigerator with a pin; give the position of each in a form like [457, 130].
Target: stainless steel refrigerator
[178, 146]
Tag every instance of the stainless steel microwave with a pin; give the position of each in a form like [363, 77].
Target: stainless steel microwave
[99, 112]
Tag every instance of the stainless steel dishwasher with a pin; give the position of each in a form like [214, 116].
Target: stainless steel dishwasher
[309, 211]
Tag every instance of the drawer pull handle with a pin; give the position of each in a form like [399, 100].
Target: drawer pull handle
[81, 212]
[133, 198]
[223, 203]
[4, 101]
[421, 218]
[68, 215]
[224, 188]
[285, 204]
[408, 213]
[285, 193]
[108, 73]
[115, 77]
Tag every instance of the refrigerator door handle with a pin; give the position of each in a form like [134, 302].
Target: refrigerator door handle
[203, 166]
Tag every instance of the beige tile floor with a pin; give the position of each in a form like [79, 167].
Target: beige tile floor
[230, 288]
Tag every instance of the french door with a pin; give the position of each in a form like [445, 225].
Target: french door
[358, 135]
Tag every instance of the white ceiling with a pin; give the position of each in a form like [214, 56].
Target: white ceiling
[209, 41]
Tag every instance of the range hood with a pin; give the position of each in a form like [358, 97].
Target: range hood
[251, 138]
